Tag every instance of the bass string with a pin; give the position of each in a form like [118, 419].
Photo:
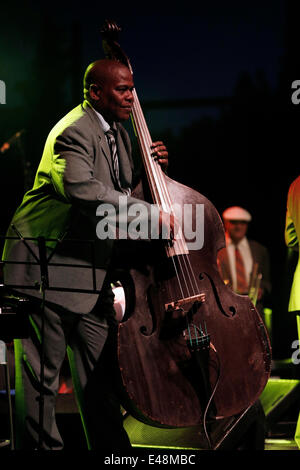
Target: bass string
[161, 196]
[184, 262]
[145, 142]
[185, 265]
[155, 174]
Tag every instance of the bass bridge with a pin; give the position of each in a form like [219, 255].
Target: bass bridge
[178, 313]
[183, 307]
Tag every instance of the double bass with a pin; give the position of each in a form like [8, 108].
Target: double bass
[189, 348]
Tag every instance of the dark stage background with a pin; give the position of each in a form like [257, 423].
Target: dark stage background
[215, 84]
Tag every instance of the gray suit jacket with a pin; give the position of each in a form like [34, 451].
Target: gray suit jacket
[75, 175]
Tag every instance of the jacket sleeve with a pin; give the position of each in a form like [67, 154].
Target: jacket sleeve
[292, 215]
[72, 174]
[290, 234]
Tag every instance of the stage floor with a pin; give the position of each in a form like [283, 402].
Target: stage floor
[280, 403]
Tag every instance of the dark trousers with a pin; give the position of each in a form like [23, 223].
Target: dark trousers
[90, 341]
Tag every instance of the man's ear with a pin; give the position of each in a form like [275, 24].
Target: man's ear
[94, 92]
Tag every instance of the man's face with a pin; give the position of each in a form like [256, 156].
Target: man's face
[114, 95]
[236, 229]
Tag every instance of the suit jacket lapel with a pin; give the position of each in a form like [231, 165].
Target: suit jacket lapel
[102, 138]
[124, 163]
[253, 251]
[107, 153]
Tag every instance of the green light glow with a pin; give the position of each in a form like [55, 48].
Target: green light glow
[268, 320]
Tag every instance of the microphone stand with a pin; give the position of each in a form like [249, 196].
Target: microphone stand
[16, 140]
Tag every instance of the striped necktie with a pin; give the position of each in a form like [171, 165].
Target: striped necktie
[110, 134]
[241, 282]
[111, 138]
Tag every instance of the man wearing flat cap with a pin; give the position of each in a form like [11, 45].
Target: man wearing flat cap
[244, 264]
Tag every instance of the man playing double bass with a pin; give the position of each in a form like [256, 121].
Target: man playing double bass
[86, 162]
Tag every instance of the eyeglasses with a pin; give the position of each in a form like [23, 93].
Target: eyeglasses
[238, 222]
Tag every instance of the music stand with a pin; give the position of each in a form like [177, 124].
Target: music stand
[44, 261]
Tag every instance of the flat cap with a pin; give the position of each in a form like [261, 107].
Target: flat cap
[237, 213]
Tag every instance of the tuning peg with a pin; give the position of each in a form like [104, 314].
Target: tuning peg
[110, 27]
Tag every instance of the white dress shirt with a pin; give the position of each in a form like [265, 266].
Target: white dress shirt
[246, 255]
[104, 124]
